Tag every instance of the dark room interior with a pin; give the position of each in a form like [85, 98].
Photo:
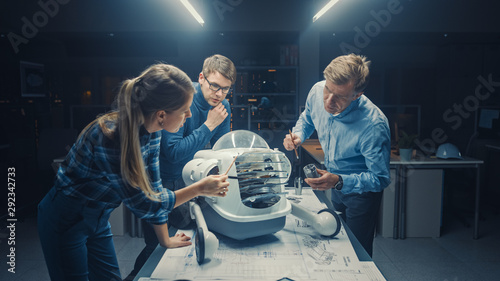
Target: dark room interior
[435, 73]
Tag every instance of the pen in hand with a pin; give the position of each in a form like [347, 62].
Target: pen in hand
[294, 148]
[234, 160]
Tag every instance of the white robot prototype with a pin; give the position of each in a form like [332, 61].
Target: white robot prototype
[255, 204]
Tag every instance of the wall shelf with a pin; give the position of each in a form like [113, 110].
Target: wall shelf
[264, 97]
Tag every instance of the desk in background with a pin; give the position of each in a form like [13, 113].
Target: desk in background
[420, 175]
[402, 178]
[313, 149]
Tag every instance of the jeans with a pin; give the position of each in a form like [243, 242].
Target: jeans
[360, 212]
[76, 239]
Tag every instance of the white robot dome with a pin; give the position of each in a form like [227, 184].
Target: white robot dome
[240, 139]
[255, 203]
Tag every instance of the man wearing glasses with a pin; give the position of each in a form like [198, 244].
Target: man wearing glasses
[210, 120]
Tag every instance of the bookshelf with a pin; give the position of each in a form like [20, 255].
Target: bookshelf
[265, 98]
[265, 101]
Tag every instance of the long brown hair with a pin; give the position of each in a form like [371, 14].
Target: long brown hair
[160, 87]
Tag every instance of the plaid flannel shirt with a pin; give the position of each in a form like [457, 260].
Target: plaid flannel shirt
[91, 171]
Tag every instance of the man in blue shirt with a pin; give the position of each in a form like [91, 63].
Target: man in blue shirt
[355, 137]
[210, 120]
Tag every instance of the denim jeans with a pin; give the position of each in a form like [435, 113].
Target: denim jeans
[360, 212]
[76, 239]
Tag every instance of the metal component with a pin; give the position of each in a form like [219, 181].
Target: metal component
[298, 185]
[310, 171]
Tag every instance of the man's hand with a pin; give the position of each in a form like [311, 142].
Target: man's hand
[325, 181]
[216, 116]
[291, 142]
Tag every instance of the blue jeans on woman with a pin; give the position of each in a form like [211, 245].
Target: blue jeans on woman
[76, 239]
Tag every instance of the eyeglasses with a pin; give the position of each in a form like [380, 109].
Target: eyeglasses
[214, 88]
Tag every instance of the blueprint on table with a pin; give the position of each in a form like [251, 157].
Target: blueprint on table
[297, 252]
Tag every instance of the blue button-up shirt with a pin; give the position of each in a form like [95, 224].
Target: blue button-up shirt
[356, 142]
[179, 148]
[91, 172]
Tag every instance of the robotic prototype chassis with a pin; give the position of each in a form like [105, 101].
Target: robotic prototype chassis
[255, 204]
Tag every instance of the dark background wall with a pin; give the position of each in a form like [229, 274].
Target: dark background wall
[433, 54]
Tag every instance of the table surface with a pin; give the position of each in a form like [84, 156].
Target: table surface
[313, 148]
[156, 256]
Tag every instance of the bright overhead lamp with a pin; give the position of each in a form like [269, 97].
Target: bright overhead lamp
[324, 9]
[193, 12]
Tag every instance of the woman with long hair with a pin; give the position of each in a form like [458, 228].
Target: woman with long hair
[115, 160]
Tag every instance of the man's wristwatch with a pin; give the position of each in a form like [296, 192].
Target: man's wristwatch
[339, 184]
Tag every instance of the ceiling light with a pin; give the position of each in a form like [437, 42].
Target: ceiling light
[193, 12]
[324, 9]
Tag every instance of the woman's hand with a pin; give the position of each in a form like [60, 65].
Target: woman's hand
[177, 241]
[214, 185]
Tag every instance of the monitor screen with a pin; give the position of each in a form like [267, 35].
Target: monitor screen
[32, 80]
[488, 122]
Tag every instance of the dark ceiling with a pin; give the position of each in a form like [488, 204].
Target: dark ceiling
[120, 27]
[250, 15]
